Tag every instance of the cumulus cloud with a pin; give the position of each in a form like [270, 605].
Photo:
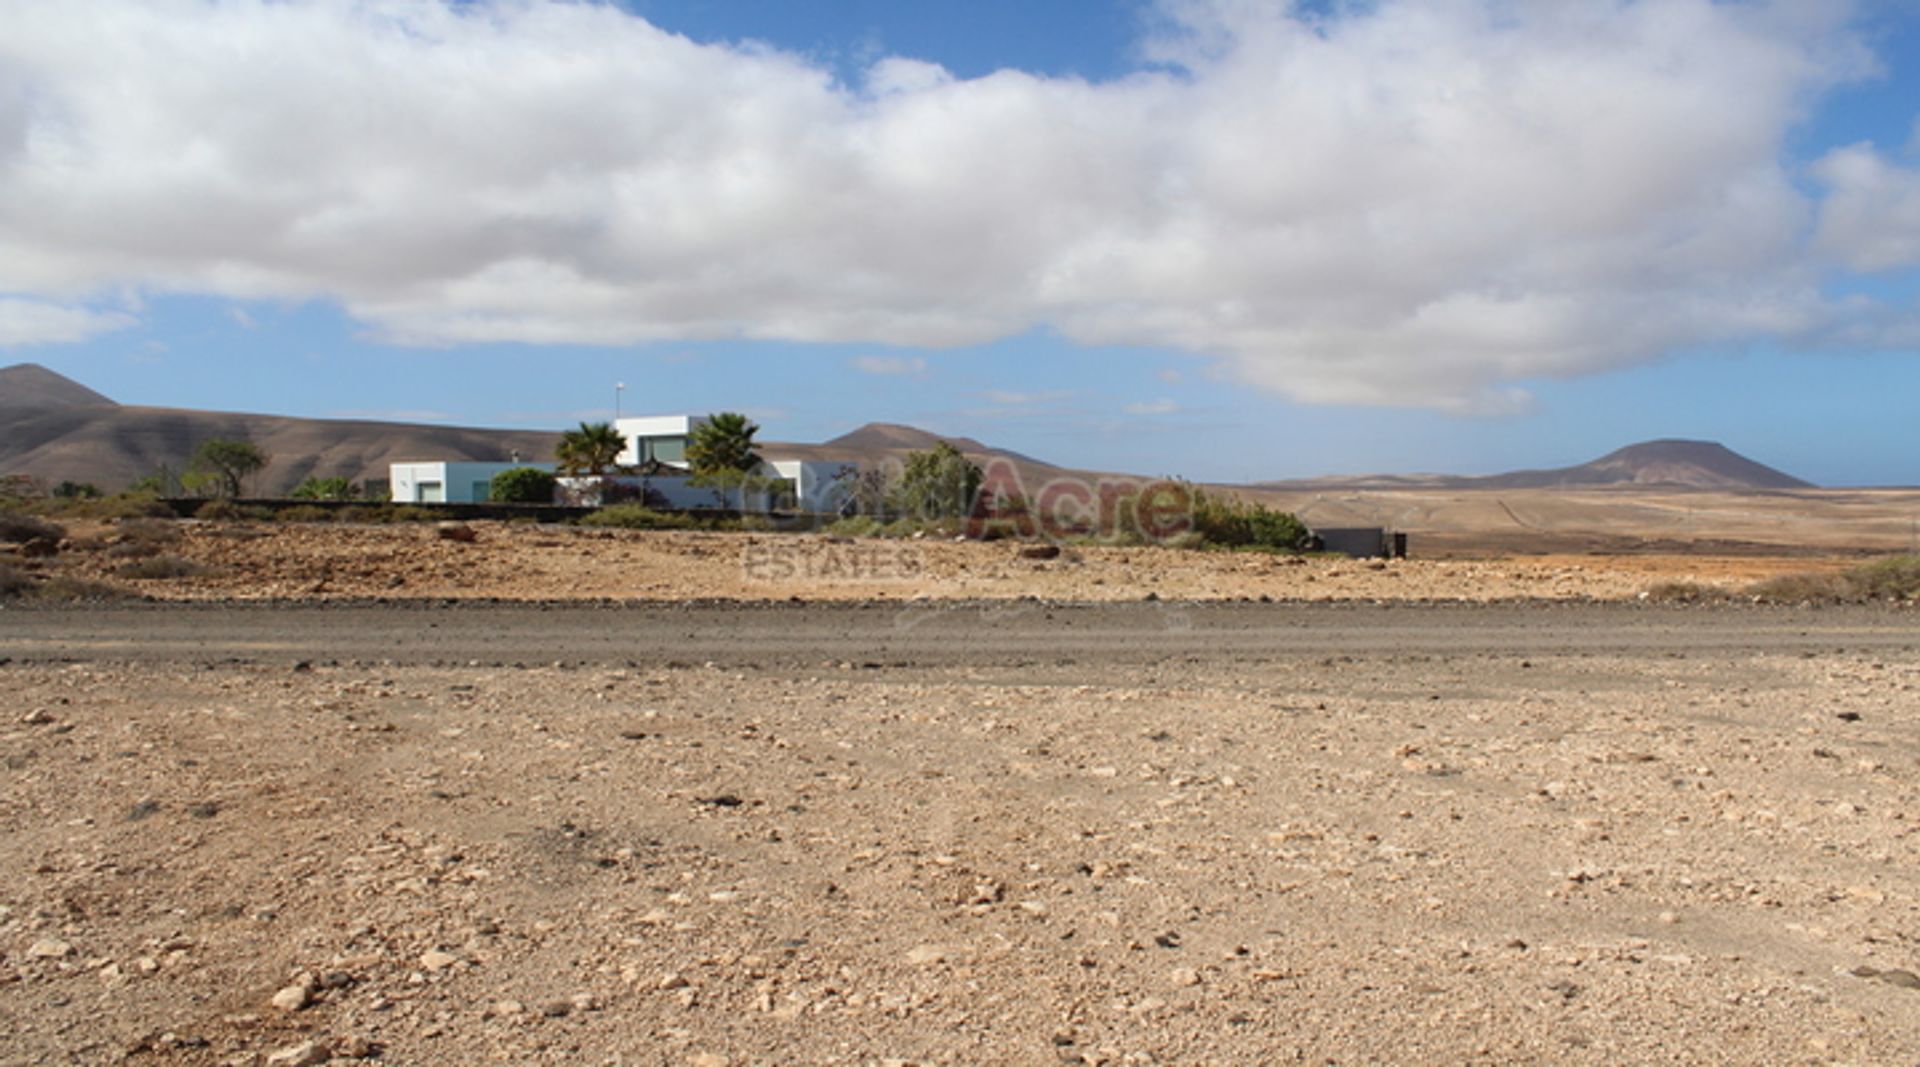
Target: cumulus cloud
[890, 366]
[1407, 202]
[38, 322]
[1870, 220]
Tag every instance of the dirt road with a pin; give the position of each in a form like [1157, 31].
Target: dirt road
[1153, 833]
[933, 633]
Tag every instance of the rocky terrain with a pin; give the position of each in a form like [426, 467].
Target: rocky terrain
[1700, 854]
[202, 560]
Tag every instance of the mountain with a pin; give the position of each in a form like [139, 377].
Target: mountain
[58, 430]
[1669, 463]
[1689, 464]
[29, 385]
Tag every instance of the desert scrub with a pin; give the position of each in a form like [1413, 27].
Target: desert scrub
[1893, 578]
[637, 517]
[16, 584]
[303, 513]
[162, 567]
[228, 511]
[20, 527]
[1684, 593]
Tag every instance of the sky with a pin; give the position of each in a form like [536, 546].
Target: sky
[1226, 239]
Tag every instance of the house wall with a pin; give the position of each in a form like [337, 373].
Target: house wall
[459, 483]
[642, 428]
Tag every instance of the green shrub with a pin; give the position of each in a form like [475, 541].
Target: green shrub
[410, 513]
[20, 527]
[303, 513]
[522, 485]
[76, 491]
[162, 567]
[855, 526]
[638, 517]
[1246, 524]
[326, 489]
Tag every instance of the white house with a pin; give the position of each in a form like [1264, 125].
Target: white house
[655, 442]
[442, 482]
[657, 438]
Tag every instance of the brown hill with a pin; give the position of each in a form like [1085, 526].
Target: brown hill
[1673, 463]
[1662, 464]
[29, 385]
[58, 430]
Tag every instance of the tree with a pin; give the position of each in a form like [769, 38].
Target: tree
[722, 444]
[521, 485]
[939, 483]
[326, 489]
[592, 449]
[76, 491]
[225, 464]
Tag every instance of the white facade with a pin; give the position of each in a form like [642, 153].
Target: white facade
[447, 483]
[661, 438]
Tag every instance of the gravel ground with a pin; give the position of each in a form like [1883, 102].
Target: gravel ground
[1491, 835]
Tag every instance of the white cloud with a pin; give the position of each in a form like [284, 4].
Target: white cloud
[1162, 406]
[1412, 202]
[37, 322]
[889, 366]
[1870, 220]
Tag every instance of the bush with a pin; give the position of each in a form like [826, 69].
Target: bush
[222, 510]
[67, 587]
[638, 517]
[1684, 593]
[855, 526]
[76, 491]
[20, 527]
[162, 567]
[326, 489]
[522, 485]
[409, 513]
[1245, 524]
[14, 581]
[303, 513]
[938, 483]
[1896, 578]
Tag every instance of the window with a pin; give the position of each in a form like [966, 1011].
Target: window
[665, 450]
[433, 493]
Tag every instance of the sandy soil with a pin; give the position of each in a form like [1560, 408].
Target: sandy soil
[522, 561]
[1702, 853]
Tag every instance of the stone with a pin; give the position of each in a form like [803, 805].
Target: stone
[293, 998]
[456, 531]
[708, 1059]
[922, 955]
[1183, 976]
[436, 960]
[305, 1054]
[49, 949]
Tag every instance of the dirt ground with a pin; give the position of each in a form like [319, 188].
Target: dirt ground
[554, 796]
[525, 561]
[1521, 849]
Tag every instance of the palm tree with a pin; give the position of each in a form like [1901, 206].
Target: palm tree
[723, 443]
[591, 449]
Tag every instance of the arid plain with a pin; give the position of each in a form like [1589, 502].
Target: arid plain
[558, 796]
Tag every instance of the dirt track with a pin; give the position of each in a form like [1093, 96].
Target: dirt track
[1016, 833]
[1017, 633]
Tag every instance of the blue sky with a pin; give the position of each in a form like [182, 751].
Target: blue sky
[1227, 241]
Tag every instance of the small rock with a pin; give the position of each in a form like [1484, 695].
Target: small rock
[49, 949]
[672, 981]
[505, 1009]
[36, 717]
[923, 955]
[708, 1059]
[305, 1054]
[556, 1009]
[456, 531]
[1183, 976]
[1040, 552]
[436, 960]
[293, 998]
